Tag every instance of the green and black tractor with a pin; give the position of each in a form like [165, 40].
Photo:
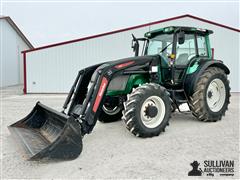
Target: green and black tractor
[175, 66]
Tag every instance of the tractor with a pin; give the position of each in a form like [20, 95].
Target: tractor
[171, 66]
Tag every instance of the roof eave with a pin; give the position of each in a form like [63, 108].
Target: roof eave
[18, 31]
[134, 27]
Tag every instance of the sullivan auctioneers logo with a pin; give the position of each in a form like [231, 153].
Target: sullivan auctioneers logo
[212, 168]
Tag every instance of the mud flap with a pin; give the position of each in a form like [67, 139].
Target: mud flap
[48, 134]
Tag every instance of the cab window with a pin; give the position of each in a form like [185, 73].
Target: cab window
[154, 47]
[202, 46]
[158, 44]
[185, 51]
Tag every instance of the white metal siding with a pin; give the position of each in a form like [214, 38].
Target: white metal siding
[11, 58]
[53, 70]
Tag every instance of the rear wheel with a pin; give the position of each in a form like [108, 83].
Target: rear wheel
[210, 99]
[147, 110]
[111, 110]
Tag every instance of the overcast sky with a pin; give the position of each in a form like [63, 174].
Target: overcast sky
[45, 23]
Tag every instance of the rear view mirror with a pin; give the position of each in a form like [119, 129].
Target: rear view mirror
[181, 37]
[135, 45]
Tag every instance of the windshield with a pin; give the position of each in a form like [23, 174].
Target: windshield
[158, 43]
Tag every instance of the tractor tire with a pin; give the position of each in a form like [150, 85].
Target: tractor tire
[107, 118]
[110, 113]
[147, 110]
[211, 96]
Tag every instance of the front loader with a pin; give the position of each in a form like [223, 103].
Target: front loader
[175, 67]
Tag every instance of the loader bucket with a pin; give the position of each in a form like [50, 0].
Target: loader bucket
[48, 134]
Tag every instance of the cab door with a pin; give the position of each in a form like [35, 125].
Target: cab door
[184, 54]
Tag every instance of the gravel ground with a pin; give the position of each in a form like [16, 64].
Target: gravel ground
[112, 152]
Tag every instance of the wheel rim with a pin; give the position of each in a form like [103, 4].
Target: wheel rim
[216, 95]
[152, 122]
[111, 111]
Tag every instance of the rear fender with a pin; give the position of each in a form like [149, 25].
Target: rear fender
[192, 79]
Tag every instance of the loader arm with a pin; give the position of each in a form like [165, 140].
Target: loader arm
[86, 111]
[48, 134]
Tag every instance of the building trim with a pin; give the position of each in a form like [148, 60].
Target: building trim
[24, 74]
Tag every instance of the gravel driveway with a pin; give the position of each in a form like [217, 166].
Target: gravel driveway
[112, 152]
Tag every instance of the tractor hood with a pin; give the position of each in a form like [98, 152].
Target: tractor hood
[137, 60]
[124, 63]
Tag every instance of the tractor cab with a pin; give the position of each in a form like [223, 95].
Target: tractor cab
[179, 50]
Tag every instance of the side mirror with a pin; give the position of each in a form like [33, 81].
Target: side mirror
[181, 37]
[135, 45]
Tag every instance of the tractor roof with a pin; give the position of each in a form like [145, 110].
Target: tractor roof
[172, 29]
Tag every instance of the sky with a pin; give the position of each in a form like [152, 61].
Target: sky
[52, 22]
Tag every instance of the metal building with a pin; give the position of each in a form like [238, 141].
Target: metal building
[52, 68]
[12, 43]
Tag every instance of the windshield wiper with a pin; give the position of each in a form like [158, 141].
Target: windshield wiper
[166, 47]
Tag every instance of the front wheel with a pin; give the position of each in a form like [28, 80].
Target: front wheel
[111, 110]
[210, 99]
[147, 110]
